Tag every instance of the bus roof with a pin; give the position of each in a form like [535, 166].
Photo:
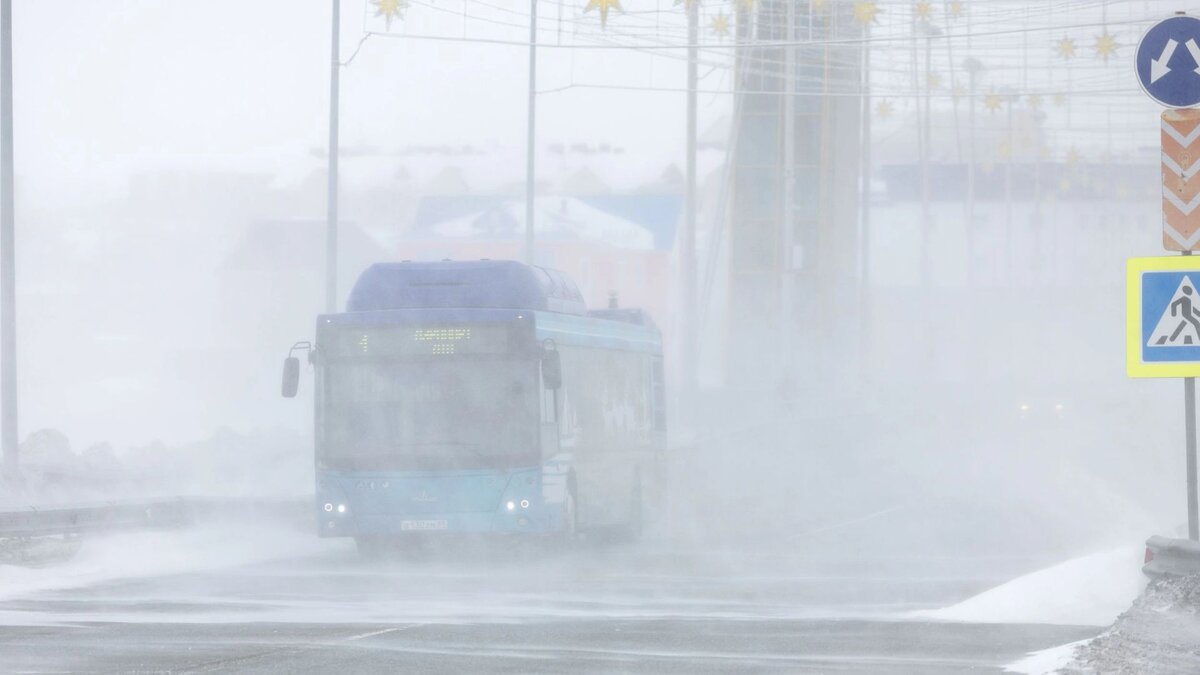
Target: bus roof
[482, 284]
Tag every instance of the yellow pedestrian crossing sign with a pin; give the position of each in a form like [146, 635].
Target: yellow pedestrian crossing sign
[1163, 317]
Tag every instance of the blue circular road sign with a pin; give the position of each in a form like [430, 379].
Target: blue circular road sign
[1168, 62]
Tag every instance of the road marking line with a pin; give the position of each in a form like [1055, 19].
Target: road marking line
[381, 632]
[847, 523]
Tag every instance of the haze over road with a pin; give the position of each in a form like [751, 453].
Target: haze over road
[511, 608]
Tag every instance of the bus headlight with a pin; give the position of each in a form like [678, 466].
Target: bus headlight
[328, 508]
[341, 508]
[511, 506]
[524, 503]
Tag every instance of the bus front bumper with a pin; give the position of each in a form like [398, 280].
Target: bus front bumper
[530, 520]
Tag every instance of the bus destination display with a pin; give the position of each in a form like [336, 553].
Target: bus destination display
[423, 340]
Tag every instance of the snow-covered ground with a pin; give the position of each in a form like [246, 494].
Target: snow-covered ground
[1090, 591]
[139, 555]
[1046, 661]
[1159, 634]
[1154, 627]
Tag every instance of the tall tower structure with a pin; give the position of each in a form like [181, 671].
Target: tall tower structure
[794, 230]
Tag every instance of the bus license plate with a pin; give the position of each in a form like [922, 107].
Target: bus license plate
[409, 525]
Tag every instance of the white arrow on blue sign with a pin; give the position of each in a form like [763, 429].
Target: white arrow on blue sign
[1168, 62]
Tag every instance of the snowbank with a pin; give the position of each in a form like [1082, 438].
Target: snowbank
[1159, 634]
[129, 555]
[1046, 661]
[1088, 591]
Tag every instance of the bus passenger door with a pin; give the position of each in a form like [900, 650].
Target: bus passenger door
[551, 442]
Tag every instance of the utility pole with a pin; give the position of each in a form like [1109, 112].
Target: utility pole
[865, 207]
[331, 198]
[925, 138]
[787, 289]
[8, 276]
[529, 133]
[687, 257]
[972, 66]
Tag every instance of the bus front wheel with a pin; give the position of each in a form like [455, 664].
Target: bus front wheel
[632, 530]
[371, 548]
[570, 517]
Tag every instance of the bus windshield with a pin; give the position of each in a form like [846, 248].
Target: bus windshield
[429, 414]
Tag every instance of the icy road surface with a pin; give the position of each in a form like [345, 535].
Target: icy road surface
[259, 601]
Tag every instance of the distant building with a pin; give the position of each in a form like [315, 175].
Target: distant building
[274, 279]
[609, 244]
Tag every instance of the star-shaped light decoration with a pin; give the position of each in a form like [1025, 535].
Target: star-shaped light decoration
[866, 12]
[1106, 45]
[956, 9]
[720, 25]
[992, 102]
[923, 9]
[1073, 157]
[1035, 101]
[1065, 47]
[1004, 149]
[958, 91]
[934, 81]
[390, 10]
[883, 109]
[605, 5]
[687, 4]
[1060, 100]
[1064, 185]
[744, 5]
[820, 5]
[1122, 191]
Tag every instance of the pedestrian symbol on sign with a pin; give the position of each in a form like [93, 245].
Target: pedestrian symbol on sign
[1180, 322]
[1162, 301]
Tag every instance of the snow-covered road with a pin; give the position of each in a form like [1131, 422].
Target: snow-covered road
[253, 598]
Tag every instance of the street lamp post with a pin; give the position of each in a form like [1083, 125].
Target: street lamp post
[529, 133]
[331, 198]
[8, 291]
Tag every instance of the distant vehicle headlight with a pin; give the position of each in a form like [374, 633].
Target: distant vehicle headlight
[524, 503]
[341, 508]
[511, 506]
[328, 508]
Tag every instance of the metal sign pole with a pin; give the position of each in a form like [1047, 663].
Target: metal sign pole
[1189, 416]
[1189, 405]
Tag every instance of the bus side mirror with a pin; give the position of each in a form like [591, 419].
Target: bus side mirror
[551, 370]
[291, 376]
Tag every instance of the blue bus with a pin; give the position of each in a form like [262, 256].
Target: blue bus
[482, 397]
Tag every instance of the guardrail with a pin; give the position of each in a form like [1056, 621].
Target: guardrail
[1171, 557]
[55, 520]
